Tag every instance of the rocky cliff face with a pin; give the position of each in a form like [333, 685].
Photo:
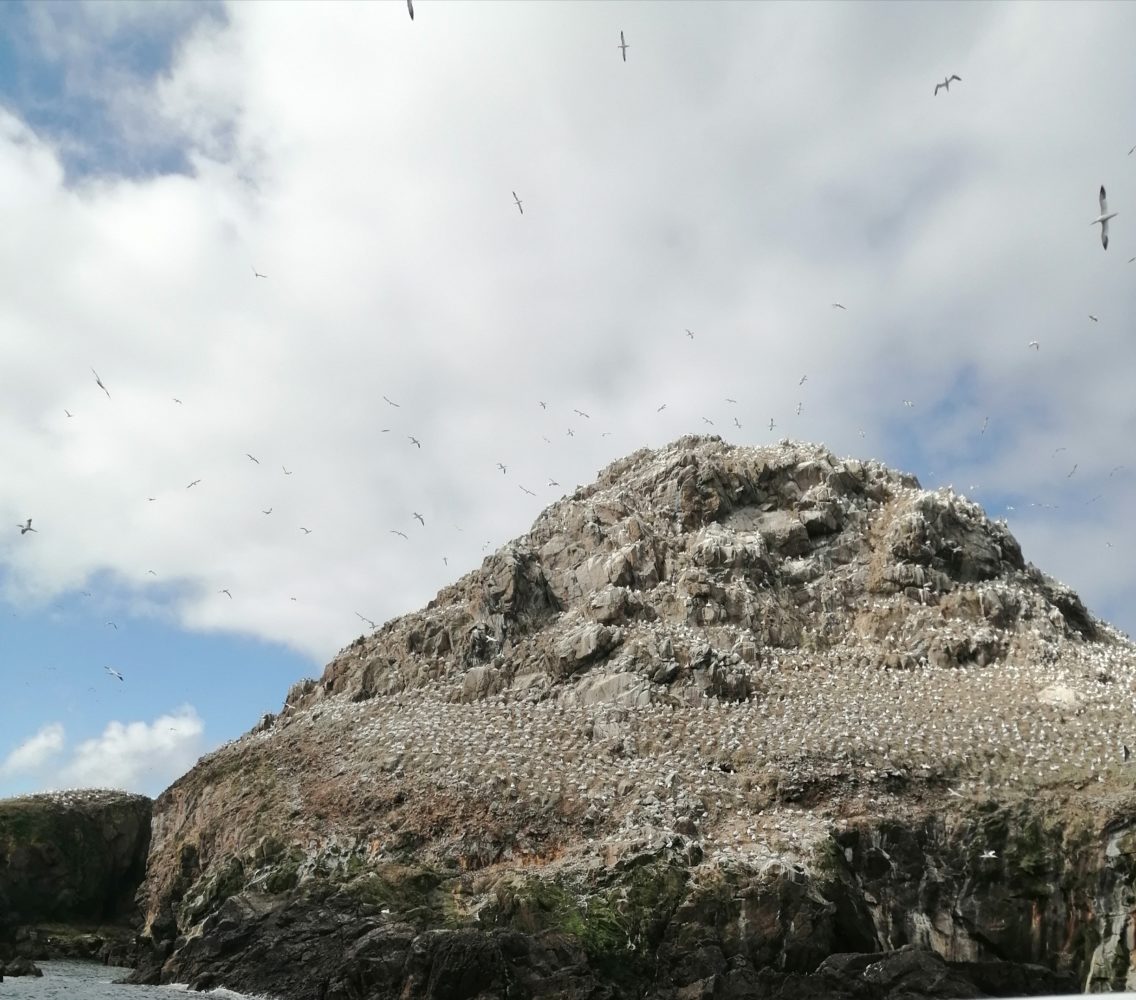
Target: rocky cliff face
[70, 865]
[718, 717]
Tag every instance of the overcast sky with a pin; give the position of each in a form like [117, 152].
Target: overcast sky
[748, 166]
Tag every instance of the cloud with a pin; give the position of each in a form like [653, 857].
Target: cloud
[137, 755]
[35, 752]
[734, 176]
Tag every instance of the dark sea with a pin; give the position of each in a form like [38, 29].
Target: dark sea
[89, 981]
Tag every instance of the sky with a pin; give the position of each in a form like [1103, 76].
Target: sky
[284, 236]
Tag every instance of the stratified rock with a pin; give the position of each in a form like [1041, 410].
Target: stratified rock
[729, 722]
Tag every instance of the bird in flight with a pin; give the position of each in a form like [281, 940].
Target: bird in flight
[1035, 345]
[519, 203]
[410, 7]
[908, 403]
[364, 618]
[501, 467]
[728, 400]
[661, 408]
[151, 572]
[553, 482]
[543, 404]
[690, 334]
[250, 457]
[69, 413]
[529, 492]
[151, 499]
[176, 400]
[707, 420]
[737, 423]
[1102, 219]
[26, 527]
[414, 441]
[571, 433]
[1093, 318]
[306, 531]
[286, 472]
[113, 673]
[194, 483]
[391, 401]
[582, 414]
[420, 519]
[269, 511]
[804, 379]
[99, 381]
[112, 625]
[395, 531]
[225, 590]
[257, 274]
[947, 84]
[623, 46]
[1071, 471]
[837, 305]
[771, 423]
[799, 405]
[985, 421]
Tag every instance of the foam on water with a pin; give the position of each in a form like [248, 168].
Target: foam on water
[70, 980]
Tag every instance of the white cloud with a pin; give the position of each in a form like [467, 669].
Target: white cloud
[35, 752]
[136, 756]
[737, 175]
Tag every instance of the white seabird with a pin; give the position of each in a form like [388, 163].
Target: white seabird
[114, 673]
[518, 201]
[623, 46]
[1103, 218]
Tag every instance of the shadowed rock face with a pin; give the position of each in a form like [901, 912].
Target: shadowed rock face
[717, 717]
[72, 858]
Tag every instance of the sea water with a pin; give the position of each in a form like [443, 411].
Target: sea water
[70, 980]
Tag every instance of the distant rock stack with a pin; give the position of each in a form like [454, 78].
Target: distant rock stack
[718, 718]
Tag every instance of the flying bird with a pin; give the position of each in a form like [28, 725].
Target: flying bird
[837, 305]
[582, 414]
[771, 423]
[1093, 318]
[804, 379]
[799, 405]
[269, 511]
[99, 381]
[176, 400]
[113, 673]
[194, 483]
[947, 84]
[571, 433]
[286, 472]
[707, 420]
[501, 467]
[529, 492]
[414, 441]
[69, 413]
[1071, 471]
[623, 46]
[365, 619]
[1102, 218]
[151, 572]
[543, 404]
[661, 408]
[306, 531]
[519, 203]
[1035, 345]
[908, 403]
[26, 527]
[395, 531]
[985, 421]
[410, 7]
[251, 458]
[690, 334]
[224, 590]
[391, 401]
[728, 400]
[112, 625]
[257, 274]
[553, 482]
[737, 424]
[419, 518]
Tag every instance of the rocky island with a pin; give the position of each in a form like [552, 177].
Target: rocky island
[729, 722]
[70, 865]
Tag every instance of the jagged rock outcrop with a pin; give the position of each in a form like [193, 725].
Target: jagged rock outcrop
[728, 722]
[72, 860]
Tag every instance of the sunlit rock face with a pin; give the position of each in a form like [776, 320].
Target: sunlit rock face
[718, 716]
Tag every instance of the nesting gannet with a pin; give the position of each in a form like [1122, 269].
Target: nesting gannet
[623, 46]
[518, 203]
[99, 381]
[113, 673]
[947, 84]
[26, 527]
[1103, 218]
[419, 518]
